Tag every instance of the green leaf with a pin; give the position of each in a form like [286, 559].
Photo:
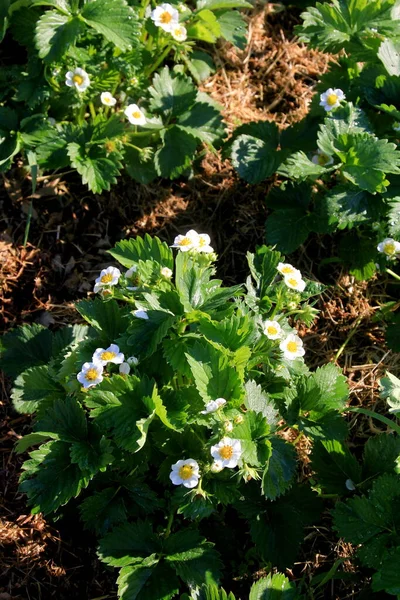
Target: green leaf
[206, 29]
[55, 32]
[36, 387]
[114, 19]
[171, 95]
[129, 252]
[255, 159]
[279, 472]
[273, 587]
[192, 557]
[9, 147]
[124, 407]
[50, 479]
[105, 316]
[98, 168]
[357, 520]
[25, 347]
[390, 391]
[389, 54]
[140, 164]
[348, 207]
[204, 122]
[258, 401]
[128, 544]
[265, 262]
[93, 454]
[393, 334]
[212, 592]
[223, 4]
[288, 229]
[4, 18]
[298, 166]
[324, 390]
[214, 374]
[233, 27]
[30, 440]
[381, 454]
[148, 580]
[232, 333]
[177, 152]
[65, 421]
[200, 65]
[102, 511]
[253, 432]
[146, 334]
[334, 466]
[387, 577]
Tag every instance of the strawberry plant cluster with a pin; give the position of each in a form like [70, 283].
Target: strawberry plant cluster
[86, 85]
[163, 419]
[340, 166]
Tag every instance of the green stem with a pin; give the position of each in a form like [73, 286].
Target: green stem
[81, 114]
[348, 339]
[369, 413]
[159, 60]
[393, 274]
[169, 524]
[92, 110]
[133, 146]
[28, 223]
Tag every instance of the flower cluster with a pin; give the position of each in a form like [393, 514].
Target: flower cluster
[199, 242]
[92, 372]
[79, 79]
[166, 17]
[389, 247]
[292, 277]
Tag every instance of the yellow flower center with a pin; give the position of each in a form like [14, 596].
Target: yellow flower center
[272, 330]
[202, 242]
[78, 79]
[185, 472]
[287, 270]
[136, 114]
[332, 99]
[323, 159]
[165, 17]
[292, 346]
[390, 248]
[107, 355]
[106, 278]
[185, 242]
[226, 452]
[91, 374]
[107, 100]
[293, 281]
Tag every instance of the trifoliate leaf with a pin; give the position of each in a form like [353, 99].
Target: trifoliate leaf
[192, 557]
[214, 374]
[128, 544]
[263, 267]
[177, 152]
[171, 94]
[346, 121]
[25, 347]
[287, 229]
[232, 333]
[252, 433]
[204, 122]
[55, 32]
[50, 479]
[102, 510]
[129, 252]
[36, 388]
[98, 167]
[107, 317]
[279, 472]
[65, 421]
[273, 587]
[147, 580]
[344, 206]
[336, 468]
[124, 407]
[114, 19]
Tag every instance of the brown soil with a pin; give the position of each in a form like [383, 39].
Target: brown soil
[273, 79]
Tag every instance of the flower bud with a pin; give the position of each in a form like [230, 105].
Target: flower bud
[238, 419]
[228, 426]
[124, 368]
[216, 467]
[132, 361]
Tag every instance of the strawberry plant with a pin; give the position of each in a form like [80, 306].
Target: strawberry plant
[90, 89]
[340, 166]
[162, 422]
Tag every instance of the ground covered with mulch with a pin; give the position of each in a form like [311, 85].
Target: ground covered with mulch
[273, 79]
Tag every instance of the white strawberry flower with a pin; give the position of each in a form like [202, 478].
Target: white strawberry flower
[331, 99]
[141, 314]
[322, 159]
[166, 272]
[389, 247]
[228, 451]
[135, 115]
[108, 99]
[216, 466]
[204, 244]
[185, 472]
[91, 374]
[108, 355]
[132, 361]
[287, 269]
[77, 78]
[228, 426]
[124, 368]
[272, 330]
[165, 16]
[186, 242]
[107, 277]
[179, 33]
[292, 347]
[213, 405]
[295, 282]
[130, 272]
